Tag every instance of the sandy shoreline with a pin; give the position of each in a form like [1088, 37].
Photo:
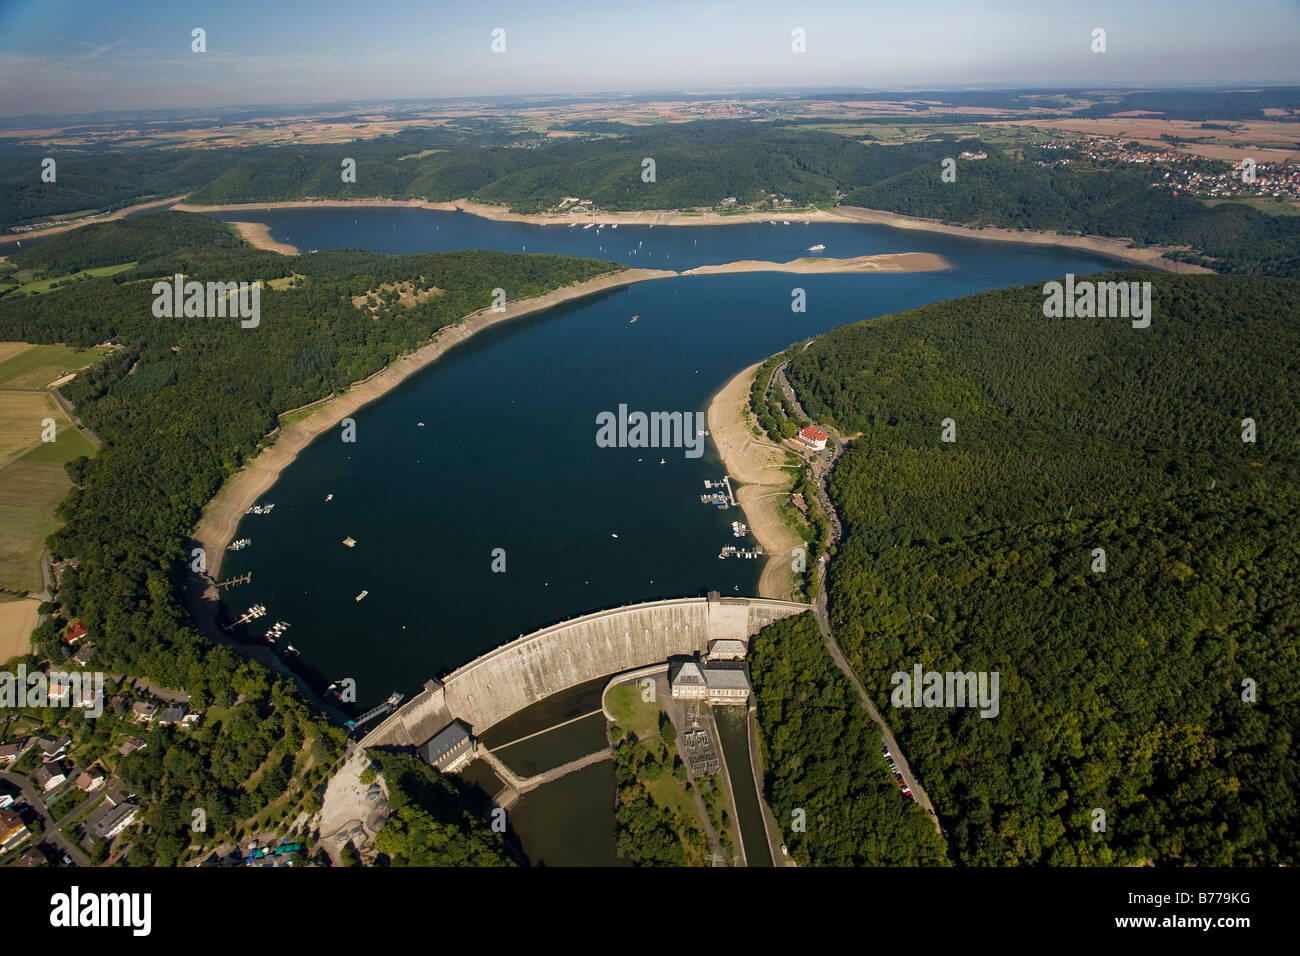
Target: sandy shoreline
[222, 514]
[1151, 256]
[755, 466]
[890, 262]
[259, 234]
[13, 238]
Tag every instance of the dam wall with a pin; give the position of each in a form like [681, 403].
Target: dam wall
[545, 662]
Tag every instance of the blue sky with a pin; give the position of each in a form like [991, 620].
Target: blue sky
[66, 56]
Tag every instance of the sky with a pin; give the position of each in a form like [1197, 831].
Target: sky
[74, 56]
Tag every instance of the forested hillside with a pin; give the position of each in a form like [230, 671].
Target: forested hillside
[821, 754]
[212, 392]
[696, 164]
[1119, 202]
[429, 823]
[1128, 689]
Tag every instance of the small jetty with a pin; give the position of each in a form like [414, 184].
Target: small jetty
[260, 509]
[239, 545]
[731, 551]
[739, 529]
[252, 614]
[233, 582]
[719, 493]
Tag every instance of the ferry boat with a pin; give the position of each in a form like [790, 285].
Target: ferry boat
[361, 595]
[817, 248]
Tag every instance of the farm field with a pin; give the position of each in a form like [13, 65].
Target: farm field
[17, 621]
[32, 483]
[36, 366]
[36, 286]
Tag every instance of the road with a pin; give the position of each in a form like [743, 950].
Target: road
[822, 468]
[52, 834]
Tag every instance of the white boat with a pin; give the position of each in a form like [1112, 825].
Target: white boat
[817, 248]
[613, 536]
[662, 461]
[615, 226]
[588, 225]
[330, 496]
[361, 595]
[785, 222]
[419, 424]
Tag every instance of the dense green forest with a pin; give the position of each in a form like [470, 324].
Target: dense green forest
[212, 392]
[1127, 689]
[1120, 202]
[99, 180]
[428, 820]
[696, 164]
[821, 754]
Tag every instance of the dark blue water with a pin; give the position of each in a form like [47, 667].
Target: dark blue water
[507, 455]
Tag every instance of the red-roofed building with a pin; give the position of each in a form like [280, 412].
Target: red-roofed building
[813, 437]
[77, 633]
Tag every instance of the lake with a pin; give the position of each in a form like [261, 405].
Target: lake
[494, 446]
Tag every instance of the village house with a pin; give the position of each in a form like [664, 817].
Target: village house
[172, 714]
[52, 748]
[84, 654]
[30, 857]
[132, 745]
[117, 794]
[143, 711]
[88, 781]
[12, 829]
[9, 794]
[112, 823]
[75, 633]
[448, 749]
[10, 752]
[50, 775]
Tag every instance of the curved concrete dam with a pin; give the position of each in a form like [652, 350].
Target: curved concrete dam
[537, 665]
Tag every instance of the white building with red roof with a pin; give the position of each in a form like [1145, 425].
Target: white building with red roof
[813, 437]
